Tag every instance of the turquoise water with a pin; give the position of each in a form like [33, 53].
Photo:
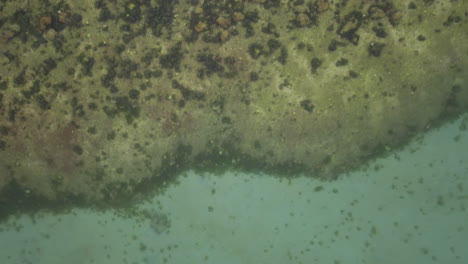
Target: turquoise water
[407, 208]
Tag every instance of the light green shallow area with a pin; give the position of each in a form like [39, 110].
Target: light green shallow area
[407, 208]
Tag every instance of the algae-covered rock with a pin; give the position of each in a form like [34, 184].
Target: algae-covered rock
[99, 99]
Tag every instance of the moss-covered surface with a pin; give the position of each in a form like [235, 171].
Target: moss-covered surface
[104, 99]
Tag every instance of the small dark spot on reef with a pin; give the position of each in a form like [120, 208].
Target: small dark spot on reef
[254, 76]
[210, 63]
[283, 56]
[133, 94]
[113, 88]
[272, 3]
[270, 29]
[250, 18]
[428, 2]
[70, 71]
[19, 79]
[58, 43]
[108, 79]
[315, 63]
[77, 149]
[92, 130]
[149, 56]
[48, 65]
[273, 44]
[87, 64]
[349, 26]
[173, 58]
[307, 105]
[124, 105]
[4, 130]
[92, 106]
[127, 67]
[23, 19]
[12, 115]
[181, 103]
[257, 144]
[226, 120]
[301, 46]
[452, 19]
[230, 60]
[119, 48]
[334, 44]
[160, 16]
[42, 102]
[111, 135]
[188, 94]
[421, 38]
[217, 105]
[75, 20]
[341, 62]
[152, 74]
[375, 49]
[451, 103]
[105, 14]
[132, 12]
[3, 85]
[2, 145]
[379, 32]
[10, 56]
[34, 89]
[353, 74]
[256, 50]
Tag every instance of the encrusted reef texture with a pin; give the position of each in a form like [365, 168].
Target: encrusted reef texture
[99, 98]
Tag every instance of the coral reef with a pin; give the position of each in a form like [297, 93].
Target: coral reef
[100, 100]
